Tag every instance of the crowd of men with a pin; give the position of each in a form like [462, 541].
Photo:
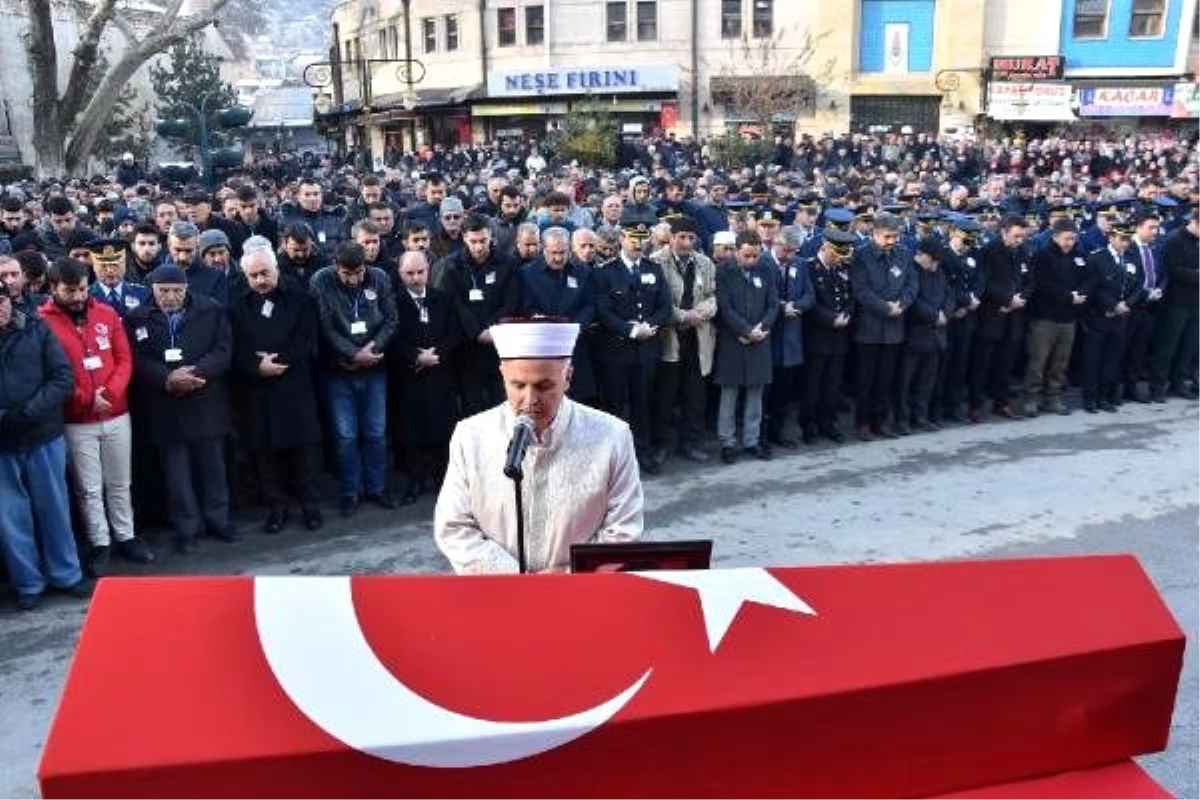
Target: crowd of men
[166, 351]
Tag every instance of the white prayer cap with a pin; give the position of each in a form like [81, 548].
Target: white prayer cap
[535, 339]
[724, 237]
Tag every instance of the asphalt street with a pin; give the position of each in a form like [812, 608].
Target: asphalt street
[1055, 485]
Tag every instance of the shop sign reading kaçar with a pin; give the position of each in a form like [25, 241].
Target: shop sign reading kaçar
[1132, 101]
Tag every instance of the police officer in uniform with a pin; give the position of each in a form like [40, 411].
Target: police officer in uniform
[633, 301]
[827, 336]
[961, 264]
[1113, 282]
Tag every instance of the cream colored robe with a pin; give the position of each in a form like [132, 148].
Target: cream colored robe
[581, 485]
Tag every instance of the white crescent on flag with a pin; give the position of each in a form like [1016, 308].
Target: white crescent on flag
[315, 647]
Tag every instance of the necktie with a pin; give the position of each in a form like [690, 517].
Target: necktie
[1148, 265]
[113, 298]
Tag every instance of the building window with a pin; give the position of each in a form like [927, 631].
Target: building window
[1147, 18]
[535, 25]
[1091, 19]
[428, 35]
[382, 44]
[394, 41]
[506, 27]
[451, 31]
[348, 50]
[731, 19]
[647, 21]
[617, 22]
[764, 26]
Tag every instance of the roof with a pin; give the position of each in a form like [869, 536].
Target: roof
[286, 106]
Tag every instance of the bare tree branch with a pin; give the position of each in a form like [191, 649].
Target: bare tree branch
[170, 30]
[85, 59]
[172, 11]
[125, 29]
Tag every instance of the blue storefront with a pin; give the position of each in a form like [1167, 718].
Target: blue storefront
[1124, 59]
[895, 38]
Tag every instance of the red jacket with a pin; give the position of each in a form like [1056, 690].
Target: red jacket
[102, 336]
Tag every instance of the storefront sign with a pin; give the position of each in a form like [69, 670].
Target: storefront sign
[1031, 102]
[1023, 69]
[519, 110]
[1143, 101]
[585, 80]
[1187, 101]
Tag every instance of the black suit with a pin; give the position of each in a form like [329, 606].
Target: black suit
[424, 403]
[482, 294]
[1111, 282]
[626, 365]
[1144, 314]
[998, 333]
[278, 421]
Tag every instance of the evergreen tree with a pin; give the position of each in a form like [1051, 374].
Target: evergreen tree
[588, 135]
[189, 74]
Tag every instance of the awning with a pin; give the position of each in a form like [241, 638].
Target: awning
[1030, 102]
[426, 98]
[518, 109]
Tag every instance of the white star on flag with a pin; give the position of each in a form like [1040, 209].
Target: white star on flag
[723, 591]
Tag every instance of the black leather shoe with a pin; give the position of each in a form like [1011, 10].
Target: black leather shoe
[1109, 406]
[348, 505]
[786, 442]
[834, 434]
[659, 456]
[135, 550]
[228, 534]
[1091, 407]
[693, 453]
[729, 455]
[382, 499]
[313, 519]
[277, 520]
[411, 493]
[648, 466]
[810, 434]
[902, 430]
[96, 562]
[761, 451]
[28, 602]
[883, 432]
[184, 545]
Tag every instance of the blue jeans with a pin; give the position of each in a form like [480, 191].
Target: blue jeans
[357, 407]
[35, 519]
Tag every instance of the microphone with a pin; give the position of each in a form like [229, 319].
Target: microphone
[521, 438]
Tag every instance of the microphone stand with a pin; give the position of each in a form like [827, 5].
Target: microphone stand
[518, 478]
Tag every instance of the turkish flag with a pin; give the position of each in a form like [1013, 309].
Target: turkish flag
[909, 680]
[1122, 779]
